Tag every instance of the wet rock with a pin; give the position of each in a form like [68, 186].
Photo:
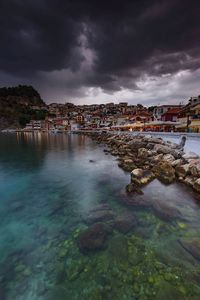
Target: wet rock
[93, 238]
[100, 213]
[115, 152]
[156, 158]
[137, 143]
[140, 176]
[164, 149]
[124, 223]
[127, 165]
[143, 153]
[182, 170]
[197, 185]
[164, 211]
[190, 155]
[192, 245]
[156, 140]
[164, 172]
[194, 167]
[189, 180]
[132, 188]
[177, 162]
[169, 158]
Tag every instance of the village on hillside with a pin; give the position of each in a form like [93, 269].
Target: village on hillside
[110, 116]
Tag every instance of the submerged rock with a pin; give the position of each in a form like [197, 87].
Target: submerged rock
[165, 212]
[164, 172]
[124, 223]
[100, 213]
[192, 245]
[94, 237]
[135, 202]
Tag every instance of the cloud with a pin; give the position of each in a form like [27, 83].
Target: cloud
[82, 49]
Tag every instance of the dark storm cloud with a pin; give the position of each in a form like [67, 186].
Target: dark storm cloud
[126, 39]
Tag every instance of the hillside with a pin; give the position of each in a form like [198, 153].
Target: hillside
[18, 105]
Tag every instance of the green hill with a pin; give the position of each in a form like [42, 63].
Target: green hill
[18, 105]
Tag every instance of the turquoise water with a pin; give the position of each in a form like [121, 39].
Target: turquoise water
[48, 185]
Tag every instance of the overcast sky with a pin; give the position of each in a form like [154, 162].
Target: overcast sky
[102, 51]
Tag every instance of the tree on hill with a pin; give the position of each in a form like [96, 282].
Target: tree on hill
[16, 106]
[22, 91]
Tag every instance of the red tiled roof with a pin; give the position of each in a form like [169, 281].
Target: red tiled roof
[174, 110]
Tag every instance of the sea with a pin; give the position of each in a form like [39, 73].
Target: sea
[52, 188]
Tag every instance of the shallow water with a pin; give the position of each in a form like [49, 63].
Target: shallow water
[47, 187]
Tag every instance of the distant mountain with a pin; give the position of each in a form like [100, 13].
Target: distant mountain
[20, 104]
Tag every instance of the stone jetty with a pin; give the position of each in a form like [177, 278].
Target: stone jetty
[147, 158]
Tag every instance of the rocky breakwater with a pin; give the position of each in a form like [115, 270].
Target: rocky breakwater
[148, 158]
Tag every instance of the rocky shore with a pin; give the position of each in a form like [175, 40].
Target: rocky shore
[147, 158]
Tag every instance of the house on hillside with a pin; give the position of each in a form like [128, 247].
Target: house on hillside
[162, 109]
[171, 114]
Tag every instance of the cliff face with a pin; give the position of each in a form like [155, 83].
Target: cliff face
[17, 106]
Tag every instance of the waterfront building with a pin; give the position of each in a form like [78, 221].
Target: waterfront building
[171, 114]
[162, 109]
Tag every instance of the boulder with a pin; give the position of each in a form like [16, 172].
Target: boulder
[182, 170]
[169, 157]
[133, 188]
[177, 162]
[156, 140]
[164, 172]
[194, 169]
[164, 149]
[93, 238]
[190, 155]
[156, 158]
[197, 185]
[143, 153]
[137, 143]
[140, 176]
[127, 165]
[189, 180]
